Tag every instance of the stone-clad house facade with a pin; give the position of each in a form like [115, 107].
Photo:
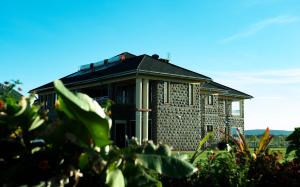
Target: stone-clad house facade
[154, 99]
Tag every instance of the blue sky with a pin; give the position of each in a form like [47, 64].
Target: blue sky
[251, 45]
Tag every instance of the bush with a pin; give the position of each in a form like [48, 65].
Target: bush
[75, 149]
[220, 169]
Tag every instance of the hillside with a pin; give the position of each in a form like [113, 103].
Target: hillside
[258, 132]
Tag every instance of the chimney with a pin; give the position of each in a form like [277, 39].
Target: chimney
[105, 61]
[92, 67]
[122, 57]
[155, 56]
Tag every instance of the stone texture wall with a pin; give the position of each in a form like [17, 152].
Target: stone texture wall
[219, 116]
[182, 125]
[213, 115]
[177, 123]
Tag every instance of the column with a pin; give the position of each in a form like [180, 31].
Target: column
[146, 107]
[138, 114]
[242, 105]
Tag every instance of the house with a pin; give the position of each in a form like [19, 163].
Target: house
[155, 99]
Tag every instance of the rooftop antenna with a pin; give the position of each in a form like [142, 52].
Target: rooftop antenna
[169, 56]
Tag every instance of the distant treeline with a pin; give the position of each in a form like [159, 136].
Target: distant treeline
[259, 132]
[277, 140]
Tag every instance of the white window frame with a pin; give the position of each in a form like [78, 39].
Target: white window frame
[238, 111]
[123, 96]
[166, 92]
[210, 100]
[191, 94]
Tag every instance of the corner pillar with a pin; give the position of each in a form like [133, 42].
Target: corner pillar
[145, 107]
[138, 114]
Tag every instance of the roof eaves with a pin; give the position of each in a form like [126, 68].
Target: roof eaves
[90, 80]
[228, 90]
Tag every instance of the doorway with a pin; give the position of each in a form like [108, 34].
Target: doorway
[120, 132]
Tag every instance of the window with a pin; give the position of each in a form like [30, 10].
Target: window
[131, 131]
[51, 100]
[210, 100]
[191, 94]
[235, 108]
[150, 129]
[123, 96]
[42, 99]
[166, 92]
[209, 128]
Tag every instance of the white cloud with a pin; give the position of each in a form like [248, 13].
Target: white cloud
[276, 114]
[253, 29]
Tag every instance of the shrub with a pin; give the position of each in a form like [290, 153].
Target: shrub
[220, 169]
[294, 143]
[75, 149]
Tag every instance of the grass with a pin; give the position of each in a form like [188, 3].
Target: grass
[203, 156]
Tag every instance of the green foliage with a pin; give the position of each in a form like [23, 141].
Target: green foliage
[75, 149]
[166, 165]
[220, 169]
[85, 111]
[264, 142]
[199, 150]
[21, 152]
[7, 90]
[164, 150]
[294, 143]
[242, 148]
[114, 177]
[264, 170]
[238, 167]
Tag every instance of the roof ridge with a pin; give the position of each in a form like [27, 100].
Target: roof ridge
[123, 54]
[138, 67]
[178, 67]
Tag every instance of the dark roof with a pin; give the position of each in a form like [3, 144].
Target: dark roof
[150, 65]
[142, 65]
[132, 65]
[225, 90]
